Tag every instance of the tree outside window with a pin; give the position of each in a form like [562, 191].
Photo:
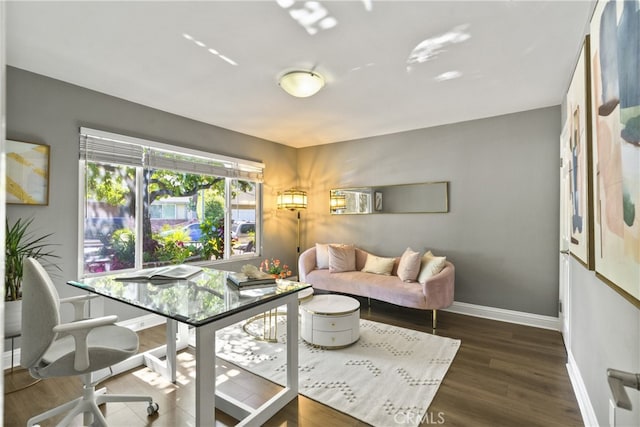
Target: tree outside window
[182, 215]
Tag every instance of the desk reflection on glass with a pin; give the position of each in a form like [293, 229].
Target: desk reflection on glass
[208, 303]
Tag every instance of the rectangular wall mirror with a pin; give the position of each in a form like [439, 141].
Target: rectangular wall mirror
[425, 197]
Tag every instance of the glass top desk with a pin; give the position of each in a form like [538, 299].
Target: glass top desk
[206, 302]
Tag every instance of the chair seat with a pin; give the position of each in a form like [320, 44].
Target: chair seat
[107, 345]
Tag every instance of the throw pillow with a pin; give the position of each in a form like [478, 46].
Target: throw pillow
[409, 266]
[322, 255]
[430, 266]
[342, 258]
[378, 265]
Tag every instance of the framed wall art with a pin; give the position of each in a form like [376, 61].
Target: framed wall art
[579, 132]
[378, 201]
[615, 68]
[27, 179]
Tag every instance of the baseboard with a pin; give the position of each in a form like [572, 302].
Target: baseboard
[136, 324]
[510, 316]
[580, 390]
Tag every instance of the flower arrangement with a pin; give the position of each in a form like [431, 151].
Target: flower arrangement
[275, 268]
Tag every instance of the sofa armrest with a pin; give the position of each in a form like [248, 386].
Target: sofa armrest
[306, 263]
[439, 289]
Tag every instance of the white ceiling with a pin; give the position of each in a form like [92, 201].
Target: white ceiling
[510, 56]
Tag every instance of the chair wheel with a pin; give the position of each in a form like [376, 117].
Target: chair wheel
[152, 408]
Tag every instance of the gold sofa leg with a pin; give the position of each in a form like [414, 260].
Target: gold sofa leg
[434, 319]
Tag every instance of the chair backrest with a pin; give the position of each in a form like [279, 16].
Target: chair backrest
[40, 312]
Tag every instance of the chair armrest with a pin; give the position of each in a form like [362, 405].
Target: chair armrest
[306, 263]
[79, 303]
[439, 288]
[79, 331]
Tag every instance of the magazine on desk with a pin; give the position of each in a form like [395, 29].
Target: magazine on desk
[241, 281]
[170, 272]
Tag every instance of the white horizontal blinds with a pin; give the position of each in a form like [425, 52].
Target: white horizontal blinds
[99, 146]
[101, 150]
[163, 159]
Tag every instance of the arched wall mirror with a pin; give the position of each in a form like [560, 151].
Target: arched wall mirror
[425, 197]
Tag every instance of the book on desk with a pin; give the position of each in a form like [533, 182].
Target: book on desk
[170, 272]
[242, 281]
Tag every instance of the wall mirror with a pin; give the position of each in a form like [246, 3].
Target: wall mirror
[425, 197]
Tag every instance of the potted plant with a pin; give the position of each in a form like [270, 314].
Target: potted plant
[20, 244]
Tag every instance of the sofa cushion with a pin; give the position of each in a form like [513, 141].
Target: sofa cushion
[409, 265]
[378, 265]
[342, 258]
[430, 266]
[377, 286]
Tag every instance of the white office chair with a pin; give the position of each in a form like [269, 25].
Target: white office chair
[53, 349]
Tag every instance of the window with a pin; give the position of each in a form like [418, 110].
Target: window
[146, 204]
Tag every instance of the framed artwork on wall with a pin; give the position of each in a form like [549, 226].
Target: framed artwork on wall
[579, 132]
[615, 65]
[27, 179]
[378, 201]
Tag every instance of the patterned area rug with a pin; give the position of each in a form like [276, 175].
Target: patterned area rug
[387, 378]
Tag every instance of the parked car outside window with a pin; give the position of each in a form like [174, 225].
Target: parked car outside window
[192, 230]
[243, 232]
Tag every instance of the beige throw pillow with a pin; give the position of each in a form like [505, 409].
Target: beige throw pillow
[378, 265]
[409, 265]
[430, 266]
[342, 258]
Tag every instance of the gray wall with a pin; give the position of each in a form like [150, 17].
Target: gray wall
[502, 229]
[48, 111]
[605, 334]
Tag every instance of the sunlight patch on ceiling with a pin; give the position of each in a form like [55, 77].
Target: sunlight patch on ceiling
[311, 15]
[360, 67]
[209, 49]
[432, 47]
[448, 75]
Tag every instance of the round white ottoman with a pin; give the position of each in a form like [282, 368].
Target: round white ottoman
[331, 321]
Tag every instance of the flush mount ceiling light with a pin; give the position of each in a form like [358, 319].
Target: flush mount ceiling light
[301, 84]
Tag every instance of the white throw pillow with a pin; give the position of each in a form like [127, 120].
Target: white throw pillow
[322, 255]
[409, 265]
[430, 266]
[378, 265]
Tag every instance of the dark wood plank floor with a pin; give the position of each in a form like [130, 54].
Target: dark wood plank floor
[503, 375]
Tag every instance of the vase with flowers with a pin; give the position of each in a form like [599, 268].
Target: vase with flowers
[275, 268]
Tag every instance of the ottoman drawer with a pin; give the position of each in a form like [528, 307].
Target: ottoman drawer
[333, 339]
[333, 323]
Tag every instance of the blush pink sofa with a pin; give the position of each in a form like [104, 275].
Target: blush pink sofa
[436, 293]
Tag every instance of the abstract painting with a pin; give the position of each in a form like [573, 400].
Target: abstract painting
[580, 146]
[615, 68]
[27, 173]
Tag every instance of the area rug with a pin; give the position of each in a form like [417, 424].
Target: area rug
[387, 378]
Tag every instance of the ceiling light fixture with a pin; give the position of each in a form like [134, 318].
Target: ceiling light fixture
[301, 84]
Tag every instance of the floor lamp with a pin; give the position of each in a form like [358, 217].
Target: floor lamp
[293, 200]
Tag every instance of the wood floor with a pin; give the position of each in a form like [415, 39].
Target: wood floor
[503, 375]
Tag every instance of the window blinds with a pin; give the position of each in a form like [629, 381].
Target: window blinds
[104, 147]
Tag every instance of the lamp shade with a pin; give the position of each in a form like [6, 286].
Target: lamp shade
[301, 84]
[292, 199]
[338, 202]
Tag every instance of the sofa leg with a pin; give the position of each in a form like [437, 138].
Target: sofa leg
[369, 301]
[434, 318]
